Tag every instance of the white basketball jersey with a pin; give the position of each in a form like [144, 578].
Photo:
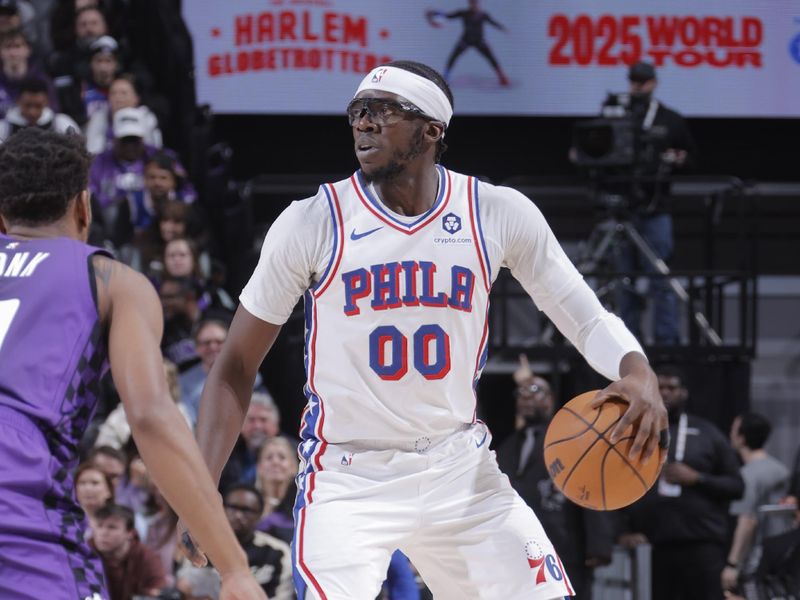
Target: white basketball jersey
[396, 330]
[396, 307]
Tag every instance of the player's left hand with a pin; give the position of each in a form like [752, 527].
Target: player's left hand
[189, 546]
[646, 412]
[680, 473]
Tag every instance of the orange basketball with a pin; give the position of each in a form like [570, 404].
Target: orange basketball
[585, 465]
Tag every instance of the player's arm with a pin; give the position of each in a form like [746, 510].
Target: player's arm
[132, 312]
[229, 386]
[538, 262]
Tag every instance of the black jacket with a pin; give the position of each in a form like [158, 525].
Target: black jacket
[700, 513]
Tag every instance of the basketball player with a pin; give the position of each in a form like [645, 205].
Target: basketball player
[395, 266]
[65, 310]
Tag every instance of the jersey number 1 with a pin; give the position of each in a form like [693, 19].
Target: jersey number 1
[429, 341]
[8, 308]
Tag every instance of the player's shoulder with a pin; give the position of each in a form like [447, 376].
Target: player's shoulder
[320, 202]
[496, 199]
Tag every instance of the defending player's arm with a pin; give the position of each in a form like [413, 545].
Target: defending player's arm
[130, 308]
[541, 266]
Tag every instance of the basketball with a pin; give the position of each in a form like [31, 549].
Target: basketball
[585, 465]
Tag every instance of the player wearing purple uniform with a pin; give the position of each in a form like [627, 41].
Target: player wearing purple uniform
[66, 311]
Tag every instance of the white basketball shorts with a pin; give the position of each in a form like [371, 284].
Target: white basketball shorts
[444, 503]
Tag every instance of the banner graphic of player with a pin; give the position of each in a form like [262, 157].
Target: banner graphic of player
[472, 20]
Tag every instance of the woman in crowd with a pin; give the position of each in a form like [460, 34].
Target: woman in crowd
[275, 472]
[93, 490]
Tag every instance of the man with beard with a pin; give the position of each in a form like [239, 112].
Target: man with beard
[685, 516]
[395, 265]
[583, 538]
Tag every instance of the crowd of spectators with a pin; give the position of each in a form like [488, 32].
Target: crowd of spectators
[67, 65]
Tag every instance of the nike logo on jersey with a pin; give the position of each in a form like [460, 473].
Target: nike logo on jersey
[483, 441]
[357, 236]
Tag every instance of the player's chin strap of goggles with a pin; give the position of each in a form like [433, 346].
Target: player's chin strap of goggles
[421, 92]
[663, 439]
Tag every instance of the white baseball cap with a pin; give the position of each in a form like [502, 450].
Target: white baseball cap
[129, 122]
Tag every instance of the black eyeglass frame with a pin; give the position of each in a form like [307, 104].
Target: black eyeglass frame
[406, 108]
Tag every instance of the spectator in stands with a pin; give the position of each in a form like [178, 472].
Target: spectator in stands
[209, 335]
[685, 515]
[275, 472]
[583, 538]
[181, 312]
[110, 460]
[93, 490]
[17, 66]
[261, 423]
[156, 525]
[63, 15]
[134, 487]
[104, 66]
[70, 67]
[115, 430]
[766, 481]
[90, 25]
[181, 259]
[270, 558]
[17, 15]
[121, 94]
[131, 568]
[171, 222]
[118, 172]
[32, 110]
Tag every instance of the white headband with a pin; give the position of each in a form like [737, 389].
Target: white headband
[422, 92]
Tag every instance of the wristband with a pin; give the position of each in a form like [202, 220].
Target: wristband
[731, 565]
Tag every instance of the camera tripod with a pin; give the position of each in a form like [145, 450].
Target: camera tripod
[600, 243]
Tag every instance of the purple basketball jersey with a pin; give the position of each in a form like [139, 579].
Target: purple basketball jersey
[52, 357]
[51, 345]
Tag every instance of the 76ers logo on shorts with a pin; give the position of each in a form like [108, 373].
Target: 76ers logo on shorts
[542, 563]
[451, 223]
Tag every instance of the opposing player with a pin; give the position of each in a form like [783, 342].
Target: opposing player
[395, 266]
[65, 310]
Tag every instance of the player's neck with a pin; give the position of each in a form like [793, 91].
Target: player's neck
[411, 193]
[51, 230]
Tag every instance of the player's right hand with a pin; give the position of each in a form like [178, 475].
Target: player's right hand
[241, 585]
[189, 546]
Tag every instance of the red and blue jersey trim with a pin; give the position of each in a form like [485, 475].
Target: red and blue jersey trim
[377, 208]
[477, 231]
[338, 241]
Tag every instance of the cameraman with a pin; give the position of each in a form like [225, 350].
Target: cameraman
[664, 143]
